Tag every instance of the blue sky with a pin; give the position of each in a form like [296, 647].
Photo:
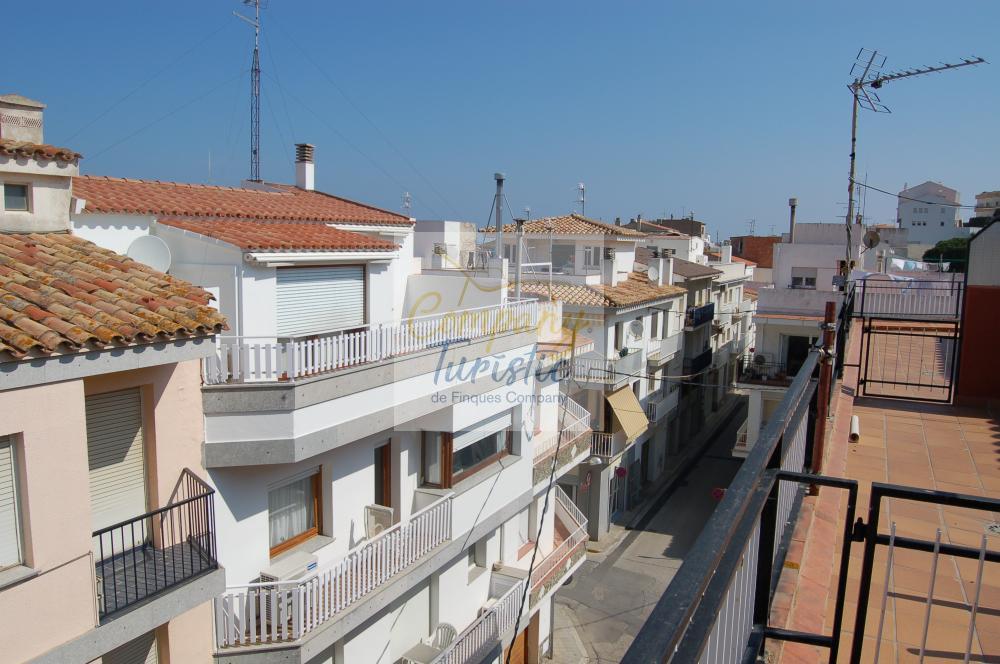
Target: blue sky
[726, 109]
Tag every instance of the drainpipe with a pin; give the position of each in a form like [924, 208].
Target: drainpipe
[824, 390]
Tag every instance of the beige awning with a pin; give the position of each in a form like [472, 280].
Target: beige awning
[629, 413]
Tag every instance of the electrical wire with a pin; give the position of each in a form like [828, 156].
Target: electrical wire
[915, 200]
[168, 66]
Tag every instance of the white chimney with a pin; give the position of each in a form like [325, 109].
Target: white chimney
[305, 169]
[727, 253]
[661, 265]
[608, 267]
[668, 271]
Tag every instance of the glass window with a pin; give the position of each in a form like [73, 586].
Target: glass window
[293, 512]
[472, 457]
[15, 197]
[10, 526]
[432, 458]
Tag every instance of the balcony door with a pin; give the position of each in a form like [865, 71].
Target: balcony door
[117, 467]
[313, 300]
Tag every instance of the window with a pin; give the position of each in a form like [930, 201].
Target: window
[10, 518]
[15, 197]
[449, 458]
[472, 457]
[432, 452]
[383, 475]
[293, 512]
[804, 277]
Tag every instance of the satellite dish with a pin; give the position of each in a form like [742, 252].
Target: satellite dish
[635, 328]
[653, 274]
[871, 238]
[150, 250]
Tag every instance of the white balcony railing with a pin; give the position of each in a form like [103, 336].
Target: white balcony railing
[574, 421]
[607, 445]
[283, 611]
[573, 520]
[483, 635]
[608, 371]
[741, 448]
[661, 349]
[267, 359]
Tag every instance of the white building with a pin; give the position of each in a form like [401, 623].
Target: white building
[629, 317]
[930, 218]
[379, 435]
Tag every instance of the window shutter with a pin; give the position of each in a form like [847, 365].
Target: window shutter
[10, 528]
[116, 457]
[312, 300]
[137, 651]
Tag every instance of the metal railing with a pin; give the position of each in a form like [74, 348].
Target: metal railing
[911, 299]
[759, 371]
[144, 556]
[698, 316]
[570, 516]
[607, 445]
[608, 371]
[574, 420]
[282, 611]
[483, 635]
[661, 349]
[697, 363]
[269, 359]
[721, 593]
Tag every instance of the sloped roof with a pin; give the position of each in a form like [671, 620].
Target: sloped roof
[715, 255]
[279, 202]
[20, 100]
[570, 224]
[257, 235]
[690, 270]
[42, 151]
[60, 293]
[660, 229]
[634, 290]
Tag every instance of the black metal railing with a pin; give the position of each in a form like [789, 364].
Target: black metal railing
[697, 363]
[720, 597]
[697, 316]
[141, 557]
[755, 369]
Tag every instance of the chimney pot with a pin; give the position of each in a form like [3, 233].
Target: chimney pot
[305, 168]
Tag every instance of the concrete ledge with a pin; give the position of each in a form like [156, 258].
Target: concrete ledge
[139, 620]
[355, 617]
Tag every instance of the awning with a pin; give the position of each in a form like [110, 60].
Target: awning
[629, 413]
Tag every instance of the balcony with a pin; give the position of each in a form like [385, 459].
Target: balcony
[759, 371]
[569, 546]
[740, 449]
[285, 611]
[698, 316]
[693, 365]
[607, 445]
[615, 371]
[270, 359]
[571, 440]
[657, 410]
[140, 558]
[483, 635]
[659, 351]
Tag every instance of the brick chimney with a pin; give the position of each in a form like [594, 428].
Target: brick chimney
[305, 168]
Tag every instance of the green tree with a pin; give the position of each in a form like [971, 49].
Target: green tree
[951, 251]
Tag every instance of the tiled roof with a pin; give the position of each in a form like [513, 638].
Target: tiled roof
[570, 224]
[26, 150]
[750, 292]
[636, 289]
[716, 256]
[278, 202]
[757, 248]
[660, 229]
[256, 235]
[60, 293]
[690, 270]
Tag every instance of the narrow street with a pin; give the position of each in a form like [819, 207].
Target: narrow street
[602, 608]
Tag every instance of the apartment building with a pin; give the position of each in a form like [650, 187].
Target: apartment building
[630, 315]
[730, 328]
[760, 250]
[379, 428]
[107, 532]
[929, 213]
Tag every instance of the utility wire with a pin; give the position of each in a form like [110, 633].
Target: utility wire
[168, 66]
[167, 115]
[367, 119]
[915, 200]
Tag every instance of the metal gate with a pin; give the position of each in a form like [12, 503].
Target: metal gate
[909, 359]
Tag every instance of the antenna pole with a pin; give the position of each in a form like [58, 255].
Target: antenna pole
[583, 199]
[498, 202]
[254, 89]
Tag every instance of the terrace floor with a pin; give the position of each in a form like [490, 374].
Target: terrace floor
[931, 446]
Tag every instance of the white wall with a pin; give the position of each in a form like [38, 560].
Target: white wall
[931, 221]
[112, 231]
[823, 257]
[49, 194]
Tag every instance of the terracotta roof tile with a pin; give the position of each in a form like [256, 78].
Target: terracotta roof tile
[570, 224]
[60, 293]
[41, 151]
[690, 270]
[279, 202]
[280, 236]
[636, 289]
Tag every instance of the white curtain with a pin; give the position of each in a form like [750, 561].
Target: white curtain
[290, 510]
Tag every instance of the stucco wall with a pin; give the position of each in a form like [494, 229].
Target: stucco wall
[49, 195]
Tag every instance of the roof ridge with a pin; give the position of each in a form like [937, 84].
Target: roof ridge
[173, 183]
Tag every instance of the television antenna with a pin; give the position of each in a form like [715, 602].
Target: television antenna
[868, 79]
[582, 200]
[407, 201]
[254, 85]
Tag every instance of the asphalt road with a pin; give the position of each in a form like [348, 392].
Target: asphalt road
[602, 608]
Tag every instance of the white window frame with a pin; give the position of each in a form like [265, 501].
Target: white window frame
[18, 530]
[27, 196]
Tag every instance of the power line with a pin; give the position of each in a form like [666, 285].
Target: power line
[915, 200]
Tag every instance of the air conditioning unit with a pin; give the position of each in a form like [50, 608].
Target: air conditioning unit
[377, 519]
[293, 567]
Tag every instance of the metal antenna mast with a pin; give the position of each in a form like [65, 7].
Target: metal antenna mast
[868, 78]
[254, 87]
[582, 188]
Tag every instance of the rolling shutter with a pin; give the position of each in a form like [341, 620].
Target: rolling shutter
[312, 300]
[10, 529]
[137, 651]
[115, 456]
